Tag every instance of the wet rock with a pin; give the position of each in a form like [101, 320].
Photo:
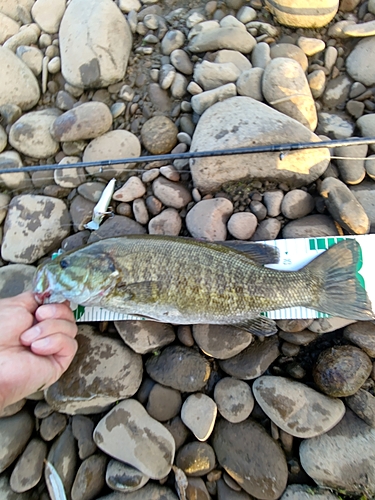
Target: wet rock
[310, 227]
[292, 97]
[82, 428]
[198, 413]
[167, 223]
[14, 69]
[63, 456]
[196, 459]
[340, 371]
[212, 75]
[234, 399]
[123, 477]
[242, 225]
[363, 405]
[15, 279]
[15, 431]
[343, 458]
[224, 492]
[104, 38]
[219, 128]
[163, 403]
[297, 204]
[89, 480]
[351, 171]
[110, 146]
[34, 225]
[296, 408]
[30, 134]
[208, 218]
[253, 361]
[129, 434]
[344, 207]
[300, 15]
[203, 100]
[132, 189]
[159, 135]
[171, 194]
[360, 64]
[221, 341]
[91, 383]
[116, 226]
[181, 368]
[12, 409]
[52, 426]
[29, 468]
[223, 38]
[362, 334]
[231, 443]
[145, 336]
[87, 121]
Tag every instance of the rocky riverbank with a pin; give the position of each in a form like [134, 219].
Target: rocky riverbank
[144, 403]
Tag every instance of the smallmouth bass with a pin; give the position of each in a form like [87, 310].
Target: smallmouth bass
[185, 281]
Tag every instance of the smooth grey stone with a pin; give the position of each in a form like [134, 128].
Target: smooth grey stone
[365, 195]
[221, 341]
[15, 431]
[123, 477]
[196, 459]
[351, 171]
[178, 430]
[90, 479]
[150, 491]
[268, 229]
[224, 492]
[16, 279]
[145, 336]
[363, 405]
[63, 456]
[163, 403]
[337, 91]
[249, 83]
[302, 492]
[234, 399]
[297, 204]
[117, 225]
[311, 226]
[52, 426]
[82, 428]
[29, 468]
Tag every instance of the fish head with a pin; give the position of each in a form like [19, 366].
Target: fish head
[75, 276]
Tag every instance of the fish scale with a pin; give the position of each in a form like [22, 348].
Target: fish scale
[185, 281]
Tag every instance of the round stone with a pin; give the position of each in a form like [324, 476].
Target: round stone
[145, 336]
[167, 223]
[198, 413]
[196, 459]
[163, 403]
[297, 204]
[234, 399]
[340, 371]
[123, 477]
[207, 219]
[171, 194]
[159, 135]
[242, 225]
[29, 468]
[362, 334]
[15, 279]
[131, 190]
[89, 480]
[221, 341]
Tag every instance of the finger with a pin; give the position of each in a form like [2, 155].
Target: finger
[46, 328]
[60, 346]
[25, 300]
[54, 311]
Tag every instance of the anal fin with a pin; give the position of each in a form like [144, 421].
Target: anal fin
[260, 326]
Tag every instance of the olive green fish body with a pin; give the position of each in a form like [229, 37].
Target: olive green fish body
[188, 282]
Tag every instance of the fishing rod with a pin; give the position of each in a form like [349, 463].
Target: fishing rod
[271, 148]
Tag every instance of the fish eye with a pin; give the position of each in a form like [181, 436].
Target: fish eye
[64, 264]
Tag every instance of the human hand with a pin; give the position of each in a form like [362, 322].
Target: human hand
[36, 345]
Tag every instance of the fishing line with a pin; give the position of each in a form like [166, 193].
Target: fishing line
[272, 148]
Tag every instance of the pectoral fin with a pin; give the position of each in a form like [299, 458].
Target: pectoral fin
[260, 326]
[145, 292]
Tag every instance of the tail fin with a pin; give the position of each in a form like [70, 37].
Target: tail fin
[342, 293]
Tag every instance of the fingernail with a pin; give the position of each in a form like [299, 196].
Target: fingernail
[31, 335]
[41, 343]
[46, 311]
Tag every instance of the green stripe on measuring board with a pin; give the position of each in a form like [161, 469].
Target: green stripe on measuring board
[295, 253]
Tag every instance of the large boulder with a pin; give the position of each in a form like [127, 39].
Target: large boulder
[243, 122]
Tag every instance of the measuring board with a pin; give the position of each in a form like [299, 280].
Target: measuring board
[295, 253]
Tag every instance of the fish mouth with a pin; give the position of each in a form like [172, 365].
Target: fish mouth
[42, 297]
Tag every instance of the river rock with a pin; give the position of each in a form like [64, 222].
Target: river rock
[69, 177]
[317, 82]
[311, 46]
[351, 171]
[234, 399]
[48, 14]
[297, 204]
[290, 51]
[163, 403]
[198, 413]
[296, 408]
[15, 70]
[340, 371]
[110, 146]
[123, 477]
[34, 225]
[82, 428]
[87, 121]
[343, 458]
[336, 125]
[116, 226]
[29, 468]
[326, 325]
[8, 27]
[219, 128]
[181, 62]
[171, 194]
[32, 57]
[344, 207]
[63, 456]
[360, 64]
[124, 433]
[196, 459]
[252, 361]
[173, 39]
[203, 100]
[15, 431]
[91, 384]
[131, 190]
[159, 135]
[366, 125]
[301, 492]
[311, 226]
[167, 223]
[181, 368]
[212, 75]
[242, 225]
[249, 83]
[151, 491]
[145, 336]
[221, 341]
[31, 136]
[252, 472]
[104, 38]
[15, 279]
[292, 97]
[363, 405]
[222, 38]
[89, 480]
[303, 14]
[208, 218]
[27, 36]
[17, 179]
[235, 57]
[362, 334]
[52, 426]
[337, 91]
